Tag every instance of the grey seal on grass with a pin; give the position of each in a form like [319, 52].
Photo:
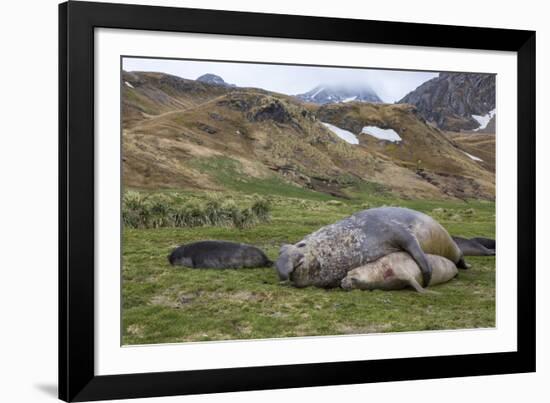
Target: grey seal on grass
[218, 255]
[323, 258]
[475, 246]
[397, 271]
[487, 242]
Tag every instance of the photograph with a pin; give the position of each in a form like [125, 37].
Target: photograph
[267, 200]
[243, 202]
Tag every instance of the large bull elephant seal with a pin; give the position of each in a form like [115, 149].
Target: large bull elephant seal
[218, 255]
[397, 271]
[324, 257]
[475, 246]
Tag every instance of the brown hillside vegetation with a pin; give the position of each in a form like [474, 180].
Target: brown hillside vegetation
[184, 134]
[482, 145]
[149, 94]
[423, 147]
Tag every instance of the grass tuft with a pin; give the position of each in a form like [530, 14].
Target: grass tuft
[161, 210]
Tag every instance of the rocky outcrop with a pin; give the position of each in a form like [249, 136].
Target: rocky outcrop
[214, 80]
[450, 100]
[274, 110]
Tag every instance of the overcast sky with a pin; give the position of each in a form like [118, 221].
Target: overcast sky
[390, 85]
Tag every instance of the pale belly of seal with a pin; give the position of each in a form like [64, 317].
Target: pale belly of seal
[397, 271]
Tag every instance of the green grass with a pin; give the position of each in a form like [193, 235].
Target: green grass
[227, 172]
[164, 304]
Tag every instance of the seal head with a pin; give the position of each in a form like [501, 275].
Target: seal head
[290, 258]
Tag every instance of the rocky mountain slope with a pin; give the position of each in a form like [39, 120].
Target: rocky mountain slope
[333, 93]
[186, 134]
[455, 101]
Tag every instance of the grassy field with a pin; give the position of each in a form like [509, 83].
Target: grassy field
[165, 304]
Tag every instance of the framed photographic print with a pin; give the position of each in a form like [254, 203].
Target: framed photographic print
[258, 201]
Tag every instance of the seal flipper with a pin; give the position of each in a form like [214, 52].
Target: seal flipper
[417, 287]
[409, 244]
[461, 264]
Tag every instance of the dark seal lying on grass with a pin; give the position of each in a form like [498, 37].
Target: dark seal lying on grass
[487, 242]
[324, 257]
[475, 246]
[218, 255]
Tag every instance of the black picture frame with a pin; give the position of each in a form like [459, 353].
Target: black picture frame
[77, 21]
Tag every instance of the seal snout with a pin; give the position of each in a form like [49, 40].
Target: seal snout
[284, 267]
[289, 259]
[346, 283]
[175, 255]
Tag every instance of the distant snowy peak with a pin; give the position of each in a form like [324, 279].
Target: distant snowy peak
[214, 80]
[325, 94]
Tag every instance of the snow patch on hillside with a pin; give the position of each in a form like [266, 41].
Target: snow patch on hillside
[345, 135]
[317, 92]
[484, 120]
[382, 134]
[128, 84]
[473, 156]
[345, 100]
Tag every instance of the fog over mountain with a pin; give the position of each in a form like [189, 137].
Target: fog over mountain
[389, 85]
[340, 92]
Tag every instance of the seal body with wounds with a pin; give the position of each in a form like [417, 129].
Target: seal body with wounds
[397, 271]
[324, 257]
[218, 255]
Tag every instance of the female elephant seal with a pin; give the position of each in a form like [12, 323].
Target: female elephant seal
[218, 255]
[324, 257]
[396, 271]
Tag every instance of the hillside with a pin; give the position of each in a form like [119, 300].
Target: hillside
[150, 94]
[421, 147]
[184, 134]
[481, 145]
[455, 101]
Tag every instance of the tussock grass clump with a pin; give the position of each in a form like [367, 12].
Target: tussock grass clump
[450, 214]
[261, 208]
[161, 210]
[135, 212]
